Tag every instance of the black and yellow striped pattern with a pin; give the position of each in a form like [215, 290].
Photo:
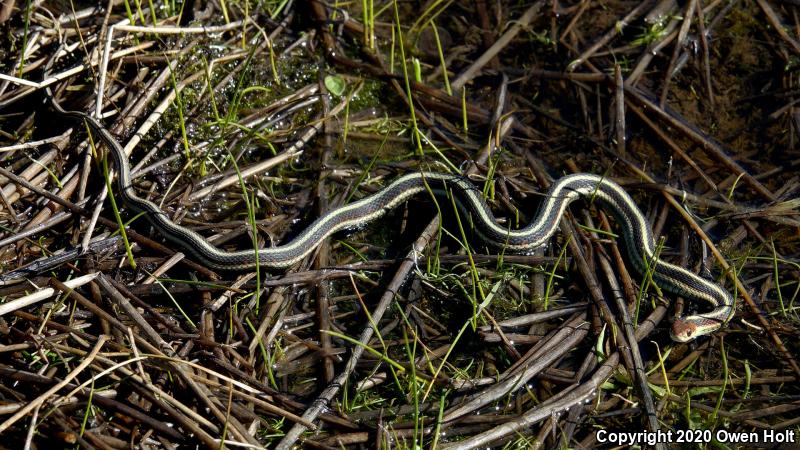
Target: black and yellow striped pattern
[636, 231]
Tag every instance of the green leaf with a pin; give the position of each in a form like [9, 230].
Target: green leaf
[335, 85]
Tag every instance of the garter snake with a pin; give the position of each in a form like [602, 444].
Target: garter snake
[638, 236]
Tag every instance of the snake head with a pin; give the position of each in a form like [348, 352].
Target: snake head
[683, 330]
[692, 327]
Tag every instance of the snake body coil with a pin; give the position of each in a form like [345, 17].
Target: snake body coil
[636, 231]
